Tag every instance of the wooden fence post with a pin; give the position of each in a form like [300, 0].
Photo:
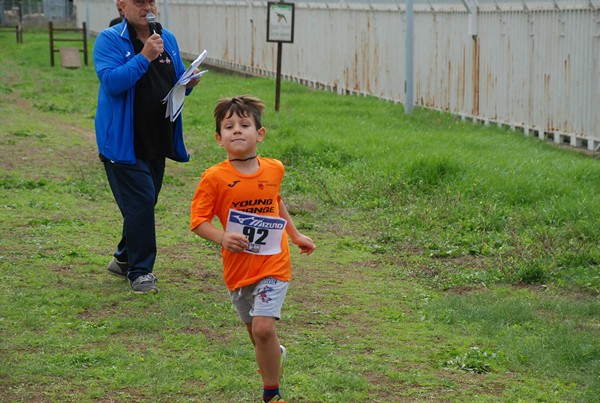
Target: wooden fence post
[83, 39]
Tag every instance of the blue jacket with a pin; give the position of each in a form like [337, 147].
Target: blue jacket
[118, 69]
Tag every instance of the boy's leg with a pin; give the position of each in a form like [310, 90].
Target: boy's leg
[268, 352]
[269, 296]
[249, 329]
[259, 307]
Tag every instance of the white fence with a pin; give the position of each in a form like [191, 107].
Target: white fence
[530, 65]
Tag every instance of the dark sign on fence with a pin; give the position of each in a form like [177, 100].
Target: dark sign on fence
[280, 22]
[280, 29]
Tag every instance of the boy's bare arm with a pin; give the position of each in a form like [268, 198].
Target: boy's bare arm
[232, 241]
[208, 231]
[305, 244]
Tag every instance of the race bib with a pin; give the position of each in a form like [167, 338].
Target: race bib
[263, 233]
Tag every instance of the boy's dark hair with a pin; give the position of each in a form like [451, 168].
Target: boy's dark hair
[244, 106]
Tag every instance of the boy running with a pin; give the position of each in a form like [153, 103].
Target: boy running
[244, 193]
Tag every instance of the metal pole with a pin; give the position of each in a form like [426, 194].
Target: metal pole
[165, 16]
[278, 79]
[408, 83]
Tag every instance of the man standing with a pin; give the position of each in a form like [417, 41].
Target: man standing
[117, 20]
[137, 66]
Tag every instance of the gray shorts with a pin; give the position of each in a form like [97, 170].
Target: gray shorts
[264, 298]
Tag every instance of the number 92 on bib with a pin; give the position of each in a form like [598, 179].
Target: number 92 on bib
[262, 232]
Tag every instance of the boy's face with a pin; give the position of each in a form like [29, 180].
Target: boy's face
[239, 136]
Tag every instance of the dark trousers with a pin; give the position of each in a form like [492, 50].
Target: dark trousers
[136, 188]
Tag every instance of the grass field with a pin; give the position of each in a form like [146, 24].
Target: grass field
[454, 262]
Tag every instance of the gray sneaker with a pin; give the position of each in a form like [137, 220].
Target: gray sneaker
[117, 268]
[144, 283]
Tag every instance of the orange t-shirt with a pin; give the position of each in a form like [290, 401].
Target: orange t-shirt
[221, 188]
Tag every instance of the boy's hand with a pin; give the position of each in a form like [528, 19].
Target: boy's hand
[234, 241]
[305, 244]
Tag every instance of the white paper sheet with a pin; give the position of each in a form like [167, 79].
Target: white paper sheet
[176, 96]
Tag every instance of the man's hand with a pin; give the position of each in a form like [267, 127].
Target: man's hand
[153, 47]
[195, 81]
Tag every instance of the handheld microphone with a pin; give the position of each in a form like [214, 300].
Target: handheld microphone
[151, 19]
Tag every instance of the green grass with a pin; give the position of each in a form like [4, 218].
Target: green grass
[455, 262]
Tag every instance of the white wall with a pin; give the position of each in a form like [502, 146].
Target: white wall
[537, 67]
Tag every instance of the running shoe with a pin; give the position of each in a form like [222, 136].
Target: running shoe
[117, 268]
[144, 284]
